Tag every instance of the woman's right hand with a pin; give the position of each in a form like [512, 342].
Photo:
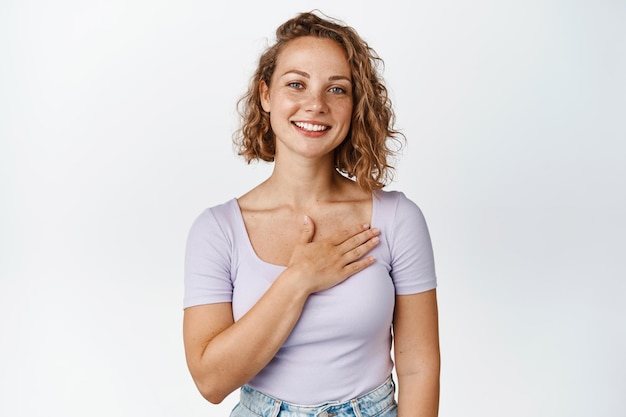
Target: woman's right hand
[325, 263]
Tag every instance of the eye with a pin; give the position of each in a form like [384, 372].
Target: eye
[337, 90]
[295, 84]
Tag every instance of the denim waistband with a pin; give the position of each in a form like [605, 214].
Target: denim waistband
[370, 404]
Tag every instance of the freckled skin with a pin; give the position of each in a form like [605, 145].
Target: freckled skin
[311, 84]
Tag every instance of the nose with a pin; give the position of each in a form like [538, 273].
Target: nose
[316, 103]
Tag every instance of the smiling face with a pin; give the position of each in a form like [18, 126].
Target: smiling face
[309, 98]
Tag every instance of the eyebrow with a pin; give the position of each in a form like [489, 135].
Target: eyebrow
[306, 74]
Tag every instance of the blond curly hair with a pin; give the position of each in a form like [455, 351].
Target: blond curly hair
[365, 153]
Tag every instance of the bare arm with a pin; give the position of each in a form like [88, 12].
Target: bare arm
[416, 351]
[222, 355]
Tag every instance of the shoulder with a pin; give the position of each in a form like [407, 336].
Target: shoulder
[400, 216]
[396, 203]
[218, 218]
[220, 211]
[391, 196]
[213, 235]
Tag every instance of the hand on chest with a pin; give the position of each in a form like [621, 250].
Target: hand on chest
[274, 233]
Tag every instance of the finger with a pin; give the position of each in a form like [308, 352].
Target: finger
[345, 234]
[307, 231]
[357, 266]
[360, 250]
[358, 240]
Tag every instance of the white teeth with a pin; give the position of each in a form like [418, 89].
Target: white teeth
[311, 127]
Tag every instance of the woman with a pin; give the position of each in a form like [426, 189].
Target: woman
[293, 290]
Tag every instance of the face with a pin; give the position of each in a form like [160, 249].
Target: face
[309, 98]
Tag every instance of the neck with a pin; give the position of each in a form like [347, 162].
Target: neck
[301, 183]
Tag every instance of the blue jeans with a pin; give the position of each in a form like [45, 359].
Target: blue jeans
[379, 402]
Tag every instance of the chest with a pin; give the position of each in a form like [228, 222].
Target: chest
[274, 233]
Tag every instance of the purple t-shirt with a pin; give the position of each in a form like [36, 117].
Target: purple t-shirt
[341, 346]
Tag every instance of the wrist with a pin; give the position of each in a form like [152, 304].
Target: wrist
[296, 283]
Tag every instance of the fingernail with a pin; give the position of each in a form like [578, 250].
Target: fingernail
[306, 219]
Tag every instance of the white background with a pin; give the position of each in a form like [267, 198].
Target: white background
[115, 126]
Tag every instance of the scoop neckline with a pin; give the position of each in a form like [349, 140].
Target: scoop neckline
[246, 237]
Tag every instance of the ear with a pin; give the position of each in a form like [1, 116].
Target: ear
[264, 93]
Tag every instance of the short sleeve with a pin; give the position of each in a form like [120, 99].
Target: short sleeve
[207, 263]
[412, 261]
